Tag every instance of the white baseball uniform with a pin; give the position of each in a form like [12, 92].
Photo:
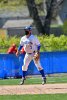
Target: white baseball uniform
[30, 45]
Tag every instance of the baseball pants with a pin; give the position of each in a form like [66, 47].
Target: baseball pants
[27, 59]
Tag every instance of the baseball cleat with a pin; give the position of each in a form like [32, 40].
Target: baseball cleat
[44, 81]
[22, 81]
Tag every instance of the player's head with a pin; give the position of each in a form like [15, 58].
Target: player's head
[28, 30]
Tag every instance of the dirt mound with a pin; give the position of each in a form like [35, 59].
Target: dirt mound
[33, 89]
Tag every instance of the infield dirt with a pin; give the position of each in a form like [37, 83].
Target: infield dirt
[33, 89]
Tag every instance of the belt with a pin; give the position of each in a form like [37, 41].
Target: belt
[31, 53]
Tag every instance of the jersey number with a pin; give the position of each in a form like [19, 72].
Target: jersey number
[30, 47]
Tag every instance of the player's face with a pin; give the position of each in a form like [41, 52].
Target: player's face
[26, 32]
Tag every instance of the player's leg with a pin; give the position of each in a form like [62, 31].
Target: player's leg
[27, 60]
[41, 70]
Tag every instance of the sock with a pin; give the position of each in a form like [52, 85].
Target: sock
[42, 73]
[24, 74]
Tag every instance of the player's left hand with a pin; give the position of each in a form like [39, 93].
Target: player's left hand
[36, 56]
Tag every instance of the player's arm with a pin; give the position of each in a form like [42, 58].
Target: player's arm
[38, 48]
[18, 51]
[37, 54]
[37, 44]
[20, 47]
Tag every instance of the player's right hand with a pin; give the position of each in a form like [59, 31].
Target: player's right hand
[17, 53]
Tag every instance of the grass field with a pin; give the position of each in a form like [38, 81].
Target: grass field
[35, 97]
[34, 80]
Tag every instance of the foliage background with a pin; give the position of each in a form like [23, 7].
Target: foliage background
[48, 43]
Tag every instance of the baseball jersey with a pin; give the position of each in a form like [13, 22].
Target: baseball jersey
[30, 44]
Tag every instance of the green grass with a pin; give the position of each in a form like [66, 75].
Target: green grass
[34, 80]
[35, 97]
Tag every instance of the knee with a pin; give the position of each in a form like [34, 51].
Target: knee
[24, 68]
[40, 68]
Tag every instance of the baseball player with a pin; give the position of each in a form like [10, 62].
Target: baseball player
[32, 47]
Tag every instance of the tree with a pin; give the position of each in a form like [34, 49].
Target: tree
[52, 7]
[48, 18]
[34, 14]
[50, 4]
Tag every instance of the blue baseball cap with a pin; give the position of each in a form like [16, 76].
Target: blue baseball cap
[28, 28]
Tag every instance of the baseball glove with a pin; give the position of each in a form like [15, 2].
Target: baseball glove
[36, 56]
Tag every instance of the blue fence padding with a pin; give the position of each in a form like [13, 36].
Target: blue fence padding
[52, 62]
